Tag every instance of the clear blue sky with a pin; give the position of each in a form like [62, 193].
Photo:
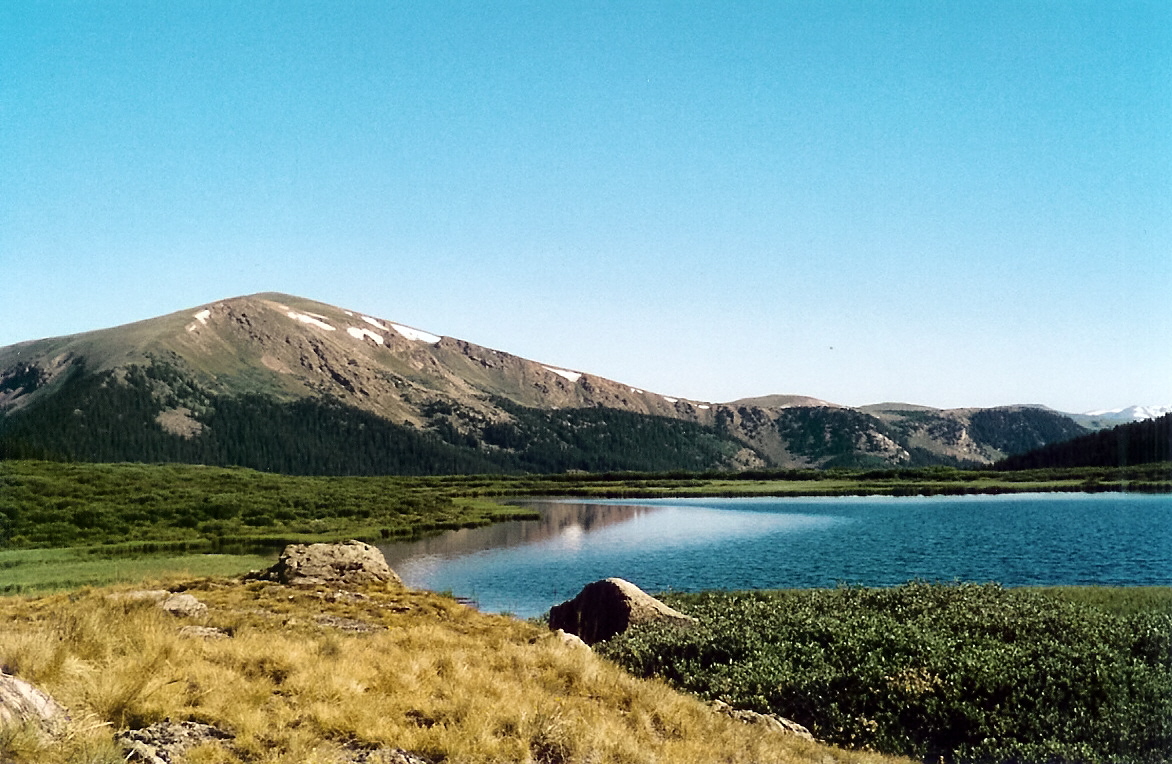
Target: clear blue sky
[946, 203]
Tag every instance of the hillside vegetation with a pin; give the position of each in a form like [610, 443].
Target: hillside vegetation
[1126, 444]
[321, 677]
[953, 673]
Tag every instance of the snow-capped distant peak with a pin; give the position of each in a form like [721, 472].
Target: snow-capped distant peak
[1131, 413]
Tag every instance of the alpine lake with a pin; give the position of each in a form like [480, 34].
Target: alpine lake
[695, 544]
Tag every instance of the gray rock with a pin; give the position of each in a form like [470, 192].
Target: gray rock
[21, 703]
[770, 722]
[157, 595]
[166, 741]
[609, 607]
[569, 640]
[184, 606]
[352, 563]
[386, 756]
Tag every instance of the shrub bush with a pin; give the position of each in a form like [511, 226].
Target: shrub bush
[958, 672]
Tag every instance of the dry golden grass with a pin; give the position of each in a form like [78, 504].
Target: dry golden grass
[432, 676]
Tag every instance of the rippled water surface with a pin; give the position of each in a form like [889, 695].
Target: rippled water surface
[692, 544]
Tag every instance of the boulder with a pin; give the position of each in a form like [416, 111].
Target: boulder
[184, 606]
[570, 640]
[767, 721]
[352, 563]
[609, 607]
[21, 703]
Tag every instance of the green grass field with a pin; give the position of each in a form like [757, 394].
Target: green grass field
[32, 571]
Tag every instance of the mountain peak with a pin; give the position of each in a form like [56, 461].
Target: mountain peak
[183, 372]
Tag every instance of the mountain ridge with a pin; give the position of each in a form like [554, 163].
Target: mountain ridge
[282, 350]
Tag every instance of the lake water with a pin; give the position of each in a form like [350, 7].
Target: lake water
[525, 567]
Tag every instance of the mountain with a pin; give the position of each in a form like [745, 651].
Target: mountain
[287, 384]
[1144, 442]
[1105, 418]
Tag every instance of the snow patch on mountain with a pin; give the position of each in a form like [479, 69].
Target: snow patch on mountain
[573, 376]
[671, 400]
[312, 320]
[1131, 413]
[415, 335]
[358, 334]
[203, 316]
[374, 322]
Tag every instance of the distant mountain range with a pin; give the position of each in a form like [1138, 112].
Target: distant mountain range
[283, 383]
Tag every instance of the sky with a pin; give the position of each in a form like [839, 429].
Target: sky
[951, 204]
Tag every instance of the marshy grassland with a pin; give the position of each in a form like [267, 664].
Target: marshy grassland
[312, 676]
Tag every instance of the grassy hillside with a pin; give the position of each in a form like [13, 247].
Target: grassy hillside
[310, 677]
[937, 672]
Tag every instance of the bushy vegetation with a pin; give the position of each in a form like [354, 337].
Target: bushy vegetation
[1127, 444]
[937, 672]
[313, 677]
[50, 504]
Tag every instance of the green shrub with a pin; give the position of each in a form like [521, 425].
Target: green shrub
[938, 672]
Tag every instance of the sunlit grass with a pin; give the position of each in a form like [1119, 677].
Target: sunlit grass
[30, 571]
[432, 677]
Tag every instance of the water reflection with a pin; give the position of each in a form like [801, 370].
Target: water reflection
[562, 525]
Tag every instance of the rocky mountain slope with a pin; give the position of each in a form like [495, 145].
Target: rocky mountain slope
[280, 382]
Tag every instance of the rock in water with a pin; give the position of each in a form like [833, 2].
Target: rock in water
[21, 703]
[609, 607]
[352, 563]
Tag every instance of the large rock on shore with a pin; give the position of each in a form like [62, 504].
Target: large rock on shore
[609, 607]
[352, 563]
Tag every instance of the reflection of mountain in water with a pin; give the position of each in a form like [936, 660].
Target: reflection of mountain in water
[557, 521]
